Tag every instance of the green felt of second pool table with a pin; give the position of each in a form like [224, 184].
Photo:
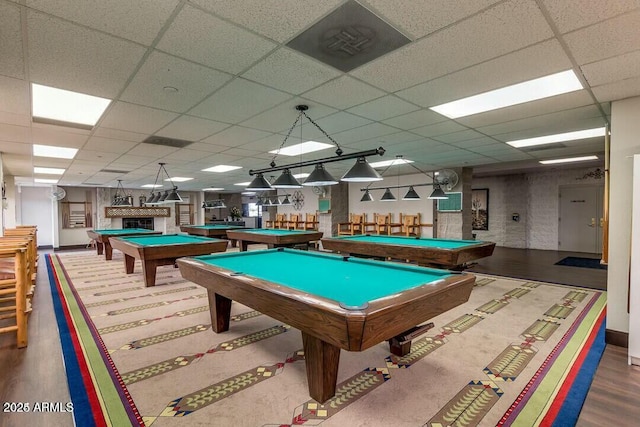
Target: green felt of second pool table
[336, 302]
[441, 253]
[273, 238]
[155, 251]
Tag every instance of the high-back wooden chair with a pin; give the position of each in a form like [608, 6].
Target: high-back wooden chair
[354, 226]
[280, 221]
[295, 222]
[382, 223]
[409, 225]
[310, 222]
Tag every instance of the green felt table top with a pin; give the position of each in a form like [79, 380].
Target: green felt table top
[275, 231]
[167, 239]
[410, 241]
[352, 283]
[123, 231]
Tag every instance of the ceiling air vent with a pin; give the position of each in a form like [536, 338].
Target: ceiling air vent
[167, 142]
[348, 37]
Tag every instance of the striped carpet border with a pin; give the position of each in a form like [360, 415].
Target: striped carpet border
[97, 391]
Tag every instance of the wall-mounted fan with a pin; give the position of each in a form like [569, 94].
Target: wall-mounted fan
[447, 179]
[58, 193]
[319, 190]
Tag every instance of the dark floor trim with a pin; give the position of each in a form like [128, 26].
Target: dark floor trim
[621, 339]
[70, 248]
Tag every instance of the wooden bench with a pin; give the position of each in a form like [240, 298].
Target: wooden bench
[13, 291]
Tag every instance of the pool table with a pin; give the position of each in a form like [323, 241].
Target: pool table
[440, 253]
[336, 302]
[273, 238]
[219, 231]
[101, 237]
[154, 251]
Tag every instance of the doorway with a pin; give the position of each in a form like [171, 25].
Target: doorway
[580, 221]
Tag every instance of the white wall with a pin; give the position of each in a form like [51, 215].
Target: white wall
[535, 196]
[634, 297]
[37, 207]
[625, 128]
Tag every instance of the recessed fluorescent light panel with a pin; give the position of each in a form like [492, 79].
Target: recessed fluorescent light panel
[45, 181]
[213, 189]
[560, 137]
[48, 171]
[221, 168]
[302, 148]
[393, 162]
[178, 179]
[51, 151]
[543, 87]
[568, 160]
[66, 106]
[152, 185]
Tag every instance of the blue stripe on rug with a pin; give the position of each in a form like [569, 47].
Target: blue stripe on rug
[572, 405]
[81, 406]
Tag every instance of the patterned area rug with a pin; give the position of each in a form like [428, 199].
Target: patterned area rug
[518, 353]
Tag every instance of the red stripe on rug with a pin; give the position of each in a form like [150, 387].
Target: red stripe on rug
[96, 408]
[555, 407]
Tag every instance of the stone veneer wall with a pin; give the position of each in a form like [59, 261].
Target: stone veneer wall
[534, 196]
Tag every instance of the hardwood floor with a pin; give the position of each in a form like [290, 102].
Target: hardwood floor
[36, 374]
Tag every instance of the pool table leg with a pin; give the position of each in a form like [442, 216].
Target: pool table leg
[243, 245]
[108, 251]
[321, 360]
[129, 263]
[149, 269]
[99, 247]
[220, 310]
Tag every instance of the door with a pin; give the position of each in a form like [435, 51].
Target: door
[580, 222]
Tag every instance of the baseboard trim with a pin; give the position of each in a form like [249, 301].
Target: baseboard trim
[621, 339]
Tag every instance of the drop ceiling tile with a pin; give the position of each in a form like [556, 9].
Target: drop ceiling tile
[458, 136]
[139, 21]
[15, 119]
[235, 136]
[207, 148]
[569, 15]
[339, 122]
[75, 58]
[344, 92]
[383, 108]
[475, 143]
[136, 118]
[532, 62]
[609, 38]
[281, 117]
[128, 161]
[48, 136]
[551, 128]
[15, 95]
[276, 19]
[369, 131]
[9, 149]
[613, 69]
[191, 128]
[13, 133]
[184, 155]
[415, 119]
[290, 71]
[151, 150]
[618, 90]
[192, 81]
[96, 156]
[421, 19]
[119, 134]
[12, 64]
[238, 101]
[441, 128]
[210, 41]
[501, 29]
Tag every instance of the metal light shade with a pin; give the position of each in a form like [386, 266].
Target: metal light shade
[286, 180]
[274, 202]
[367, 197]
[387, 196]
[286, 201]
[411, 195]
[319, 177]
[361, 172]
[259, 184]
[204, 205]
[124, 201]
[163, 197]
[152, 199]
[259, 202]
[173, 196]
[219, 204]
[438, 194]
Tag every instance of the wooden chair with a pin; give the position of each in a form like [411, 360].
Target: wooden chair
[280, 221]
[13, 290]
[409, 226]
[310, 222]
[295, 222]
[354, 226]
[382, 223]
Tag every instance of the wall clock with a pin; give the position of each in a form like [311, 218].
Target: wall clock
[297, 200]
